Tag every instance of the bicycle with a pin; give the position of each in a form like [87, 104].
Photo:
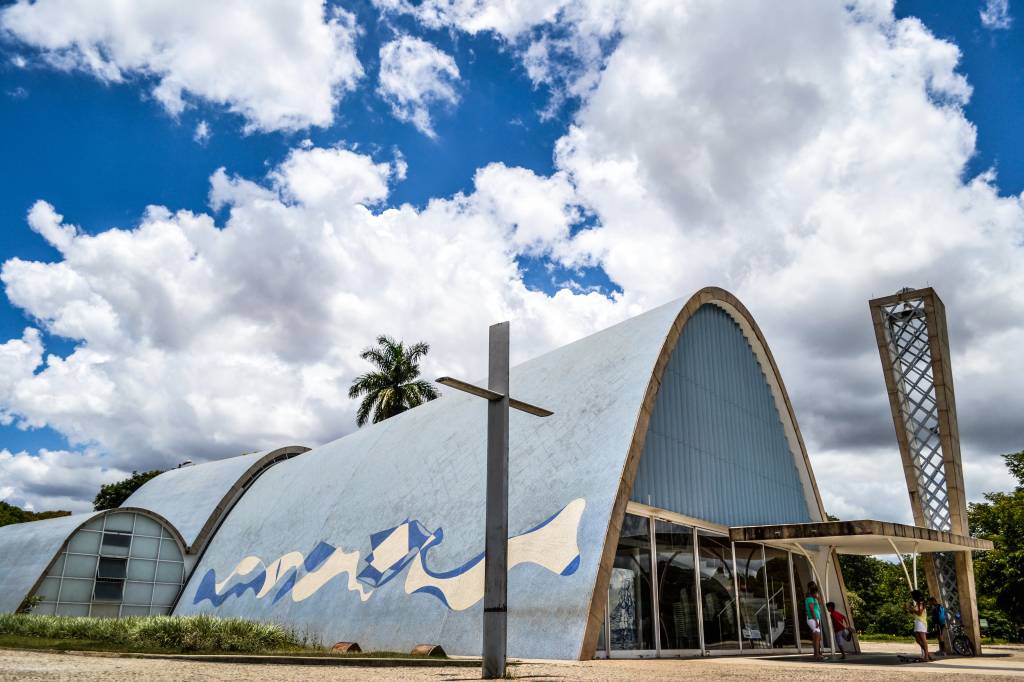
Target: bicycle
[959, 640]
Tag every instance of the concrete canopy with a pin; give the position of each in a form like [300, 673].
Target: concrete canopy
[195, 498]
[865, 537]
[316, 539]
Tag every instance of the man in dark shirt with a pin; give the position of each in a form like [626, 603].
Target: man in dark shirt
[841, 626]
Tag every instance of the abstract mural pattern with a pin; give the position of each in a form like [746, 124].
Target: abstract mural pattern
[551, 544]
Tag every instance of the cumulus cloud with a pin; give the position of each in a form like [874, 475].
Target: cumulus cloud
[996, 14]
[202, 133]
[414, 76]
[280, 65]
[202, 340]
[562, 43]
[54, 479]
[807, 156]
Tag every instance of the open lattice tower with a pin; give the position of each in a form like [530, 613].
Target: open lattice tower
[913, 344]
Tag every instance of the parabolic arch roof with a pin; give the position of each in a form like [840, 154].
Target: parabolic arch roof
[195, 498]
[378, 537]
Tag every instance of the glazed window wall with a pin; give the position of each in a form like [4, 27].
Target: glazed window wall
[708, 594]
[118, 564]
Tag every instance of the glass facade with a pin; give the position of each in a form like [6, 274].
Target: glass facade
[707, 593]
[717, 590]
[118, 564]
[630, 597]
[677, 587]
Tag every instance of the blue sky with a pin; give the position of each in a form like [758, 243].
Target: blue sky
[101, 151]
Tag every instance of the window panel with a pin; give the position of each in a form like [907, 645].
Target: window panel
[780, 598]
[72, 609]
[46, 608]
[141, 569]
[48, 590]
[75, 589]
[168, 572]
[717, 592]
[120, 521]
[111, 568]
[58, 566]
[106, 610]
[146, 526]
[750, 574]
[163, 595]
[85, 542]
[95, 523]
[145, 547]
[160, 610]
[115, 544]
[108, 590]
[78, 566]
[803, 576]
[127, 610]
[677, 598]
[169, 550]
[630, 597]
[138, 593]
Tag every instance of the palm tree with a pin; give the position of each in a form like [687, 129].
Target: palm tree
[394, 387]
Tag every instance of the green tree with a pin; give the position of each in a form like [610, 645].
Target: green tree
[1000, 572]
[11, 514]
[394, 386]
[112, 495]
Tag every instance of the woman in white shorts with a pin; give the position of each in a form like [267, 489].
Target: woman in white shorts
[812, 609]
[920, 611]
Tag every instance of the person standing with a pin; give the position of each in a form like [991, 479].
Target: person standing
[938, 615]
[841, 626]
[920, 611]
[812, 609]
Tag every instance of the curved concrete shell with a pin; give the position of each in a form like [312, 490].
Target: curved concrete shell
[195, 498]
[378, 537]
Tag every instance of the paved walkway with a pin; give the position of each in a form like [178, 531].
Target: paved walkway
[880, 664]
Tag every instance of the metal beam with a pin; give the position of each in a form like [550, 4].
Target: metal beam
[495, 637]
[495, 626]
[487, 394]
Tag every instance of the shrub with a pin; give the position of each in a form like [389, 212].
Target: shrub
[179, 633]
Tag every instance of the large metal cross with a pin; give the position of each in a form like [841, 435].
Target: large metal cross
[495, 633]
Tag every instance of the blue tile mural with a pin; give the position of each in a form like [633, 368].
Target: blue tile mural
[551, 544]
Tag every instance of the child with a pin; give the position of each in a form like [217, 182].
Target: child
[844, 634]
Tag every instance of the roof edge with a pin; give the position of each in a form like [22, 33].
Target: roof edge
[732, 305]
[238, 489]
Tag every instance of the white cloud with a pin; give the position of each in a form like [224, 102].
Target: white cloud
[562, 43]
[202, 133]
[805, 155]
[281, 65]
[54, 479]
[996, 14]
[414, 76]
[203, 341]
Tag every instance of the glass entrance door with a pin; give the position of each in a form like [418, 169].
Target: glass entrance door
[718, 592]
[630, 596]
[779, 593]
[677, 588]
[750, 576]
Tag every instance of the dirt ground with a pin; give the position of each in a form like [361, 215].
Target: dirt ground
[878, 663]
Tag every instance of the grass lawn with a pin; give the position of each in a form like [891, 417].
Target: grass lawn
[907, 639]
[50, 644]
[164, 635]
